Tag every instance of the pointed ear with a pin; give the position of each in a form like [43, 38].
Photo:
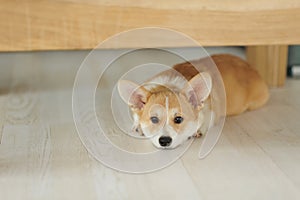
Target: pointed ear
[133, 94]
[198, 88]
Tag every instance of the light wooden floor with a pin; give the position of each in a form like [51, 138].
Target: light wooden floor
[41, 156]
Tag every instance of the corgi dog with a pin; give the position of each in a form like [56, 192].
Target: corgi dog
[170, 108]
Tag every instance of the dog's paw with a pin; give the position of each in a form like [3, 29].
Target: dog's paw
[198, 134]
[137, 130]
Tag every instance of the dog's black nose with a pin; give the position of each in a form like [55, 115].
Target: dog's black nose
[165, 141]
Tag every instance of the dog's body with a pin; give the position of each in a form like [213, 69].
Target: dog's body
[172, 106]
[245, 89]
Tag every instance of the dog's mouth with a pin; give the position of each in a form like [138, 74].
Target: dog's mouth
[164, 148]
[165, 142]
[170, 146]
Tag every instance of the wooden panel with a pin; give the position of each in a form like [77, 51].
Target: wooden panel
[78, 24]
[270, 61]
[225, 5]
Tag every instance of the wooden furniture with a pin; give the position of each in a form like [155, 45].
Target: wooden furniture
[79, 24]
[41, 155]
[270, 61]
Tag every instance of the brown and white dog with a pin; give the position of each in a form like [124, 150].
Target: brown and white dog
[171, 107]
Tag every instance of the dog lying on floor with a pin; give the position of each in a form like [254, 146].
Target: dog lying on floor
[171, 107]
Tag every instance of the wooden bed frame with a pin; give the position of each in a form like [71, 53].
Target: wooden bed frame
[265, 27]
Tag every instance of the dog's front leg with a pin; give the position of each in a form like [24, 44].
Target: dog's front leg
[205, 119]
[136, 129]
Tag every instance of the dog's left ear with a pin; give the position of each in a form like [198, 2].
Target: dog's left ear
[198, 88]
[133, 94]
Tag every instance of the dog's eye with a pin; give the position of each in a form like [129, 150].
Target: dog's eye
[154, 120]
[178, 120]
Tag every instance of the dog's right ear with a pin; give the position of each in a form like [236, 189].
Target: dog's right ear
[198, 88]
[134, 95]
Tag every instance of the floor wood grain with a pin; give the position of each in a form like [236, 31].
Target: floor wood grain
[42, 157]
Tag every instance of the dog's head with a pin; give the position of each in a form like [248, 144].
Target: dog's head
[169, 117]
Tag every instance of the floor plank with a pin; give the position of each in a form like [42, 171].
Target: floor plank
[42, 157]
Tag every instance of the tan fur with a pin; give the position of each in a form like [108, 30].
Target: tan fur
[177, 107]
[184, 93]
[245, 89]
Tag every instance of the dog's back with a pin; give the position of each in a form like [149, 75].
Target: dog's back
[245, 89]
